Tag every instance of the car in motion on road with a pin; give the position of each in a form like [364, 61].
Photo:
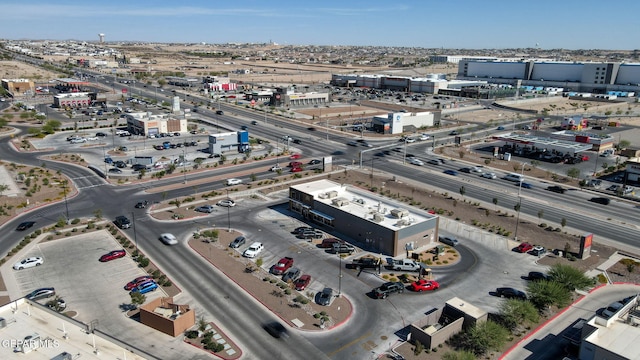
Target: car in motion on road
[451, 172]
[601, 200]
[449, 241]
[416, 161]
[112, 255]
[168, 239]
[41, 293]
[557, 189]
[424, 285]
[275, 168]
[434, 162]
[511, 293]
[137, 281]
[275, 329]
[205, 209]
[489, 175]
[525, 185]
[314, 162]
[233, 181]
[538, 250]
[302, 282]
[25, 225]
[388, 288]
[226, 203]
[141, 204]
[324, 298]
[122, 222]
[295, 156]
[28, 262]
[253, 250]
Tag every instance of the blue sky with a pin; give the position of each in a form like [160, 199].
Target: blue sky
[470, 24]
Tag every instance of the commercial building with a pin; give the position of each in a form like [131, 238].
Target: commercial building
[399, 122]
[377, 223]
[289, 97]
[72, 100]
[577, 76]
[164, 315]
[430, 84]
[18, 87]
[230, 141]
[146, 123]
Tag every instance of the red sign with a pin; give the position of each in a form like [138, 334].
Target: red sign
[253, 102]
[124, 91]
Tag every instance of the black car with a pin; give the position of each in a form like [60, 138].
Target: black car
[141, 204]
[120, 164]
[276, 330]
[314, 162]
[138, 167]
[537, 275]
[101, 134]
[115, 171]
[297, 141]
[601, 200]
[219, 112]
[301, 229]
[557, 189]
[511, 293]
[237, 242]
[122, 222]
[25, 225]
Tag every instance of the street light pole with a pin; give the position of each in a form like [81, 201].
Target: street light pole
[340, 277]
[515, 235]
[228, 214]
[184, 170]
[66, 205]
[135, 235]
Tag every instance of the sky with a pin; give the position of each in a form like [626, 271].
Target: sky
[449, 24]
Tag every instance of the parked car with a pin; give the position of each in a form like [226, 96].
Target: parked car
[25, 225]
[388, 288]
[137, 281]
[112, 255]
[524, 247]
[233, 181]
[145, 287]
[237, 242]
[612, 309]
[28, 262]
[205, 209]
[342, 248]
[41, 293]
[168, 239]
[313, 234]
[138, 167]
[324, 298]
[511, 293]
[424, 285]
[538, 250]
[291, 275]
[302, 282]
[282, 265]
[328, 242]
[253, 250]
[449, 241]
[301, 229]
[537, 275]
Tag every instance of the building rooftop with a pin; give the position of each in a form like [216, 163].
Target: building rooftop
[619, 338]
[53, 333]
[363, 204]
[543, 142]
[465, 307]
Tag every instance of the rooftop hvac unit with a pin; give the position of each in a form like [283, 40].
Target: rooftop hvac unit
[399, 213]
[378, 217]
[358, 201]
[323, 196]
[402, 222]
[332, 194]
[340, 202]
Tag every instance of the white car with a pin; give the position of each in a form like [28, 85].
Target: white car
[226, 203]
[476, 169]
[168, 239]
[78, 140]
[424, 137]
[253, 250]
[276, 168]
[233, 181]
[416, 161]
[28, 262]
[488, 175]
[410, 140]
[92, 138]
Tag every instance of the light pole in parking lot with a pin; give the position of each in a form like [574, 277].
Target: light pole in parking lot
[340, 276]
[135, 235]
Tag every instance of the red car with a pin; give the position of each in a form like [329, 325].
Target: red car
[296, 169]
[302, 282]
[115, 254]
[424, 285]
[282, 266]
[137, 281]
[295, 156]
[524, 247]
[295, 164]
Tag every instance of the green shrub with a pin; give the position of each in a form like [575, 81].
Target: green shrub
[75, 221]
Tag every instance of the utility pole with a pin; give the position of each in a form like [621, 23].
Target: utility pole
[515, 235]
[66, 205]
